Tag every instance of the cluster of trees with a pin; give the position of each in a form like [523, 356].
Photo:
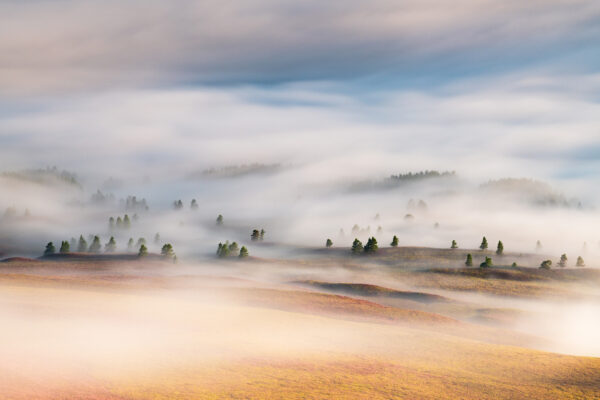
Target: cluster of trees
[178, 204]
[228, 250]
[121, 223]
[95, 246]
[257, 235]
[370, 247]
[499, 247]
[133, 204]
[562, 262]
[413, 205]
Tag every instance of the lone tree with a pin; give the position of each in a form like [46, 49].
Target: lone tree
[194, 204]
[357, 247]
[500, 248]
[126, 222]
[371, 246]
[394, 241]
[130, 244]
[454, 245]
[111, 246]
[96, 246]
[469, 262]
[220, 220]
[64, 247]
[484, 244]
[143, 251]
[255, 236]
[328, 243]
[243, 252]
[487, 263]
[50, 249]
[580, 262]
[82, 246]
[547, 264]
[563, 261]
[167, 250]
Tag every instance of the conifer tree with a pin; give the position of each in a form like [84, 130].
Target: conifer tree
[255, 235]
[50, 249]
[167, 250]
[357, 246]
[220, 220]
[194, 204]
[157, 238]
[111, 246]
[328, 243]
[371, 246]
[130, 244]
[243, 252]
[73, 243]
[143, 251]
[262, 234]
[233, 248]
[454, 245]
[487, 263]
[484, 244]
[65, 247]
[580, 262]
[119, 223]
[82, 246]
[394, 241]
[96, 246]
[546, 264]
[469, 262]
[111, 223]
[126, 222]
[563, 261]
[223, 250]
[500, 248]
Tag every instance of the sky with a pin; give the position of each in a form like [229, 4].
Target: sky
[487, 88]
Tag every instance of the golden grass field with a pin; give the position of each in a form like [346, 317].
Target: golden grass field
[135, 330]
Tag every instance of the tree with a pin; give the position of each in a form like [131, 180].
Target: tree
[328, 243]
[262, 234]
[454, 245]
[194, 204]
[223, 250]
[126, 222]
[469, 262]
[111, 223]
[82, 247]
[220, 220]
[140, 242]
[357, 246]
[243, 252]
[143, 251]
[547, 264]
[500, 248]
[167, 250]
[178, 205]
[538, 246]
[111, 246]
[580, 262]
[50, 249]
[394, 241]
[96, 246]
[255, 235]
[157, 238]
[119, 223]
[484, 244]
[65, 247]
[563, 261]
[371, 246]
[487, 263]
[130, 244]
[514, 265]
[233, 248]
[73, 243]
[355, 228]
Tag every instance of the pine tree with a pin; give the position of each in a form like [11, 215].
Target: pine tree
[487, 263]
[130, 244]
[111, 246]
[563, 261]
[157, 238]
[357, 246]
[223, 250]
[111, 223]
[546, 264]
[65, 247]
[255, 235]
[220, 220]
[82, 247]
[371, 246]
[143, 251]
[500, 248]
[454, 245]
[484, 244]
[243, 252]
[126, 222]
[50, 249]
[514, 265]
[233, 248]
[73, 243]
[262, 234]
[580, 262]
[96, 246]
[394, 241]
[119, 223]
[469, 262]
[167, 250]
[328, 243]
[194, 204]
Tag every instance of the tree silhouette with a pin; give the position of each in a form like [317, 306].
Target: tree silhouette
[255, 235]
[357, 246]
[126, 222]
[96, 246]
[143, 251]
[65, 247]
[500, 248]
[220, 220]
[194, 204]
[328, 243]
[111, 246]
[394, 241]
[484, 244]
[487, 263]
[563, 261]
[167, 250]
[580, 262]
[50, 249]
[371, 246]
[243, 252]
[233, 248]
[547, 264]
[469, 262]
[82, 246]
[454, 245]
[130, 244]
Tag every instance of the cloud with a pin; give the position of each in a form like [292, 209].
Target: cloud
[60, 45]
